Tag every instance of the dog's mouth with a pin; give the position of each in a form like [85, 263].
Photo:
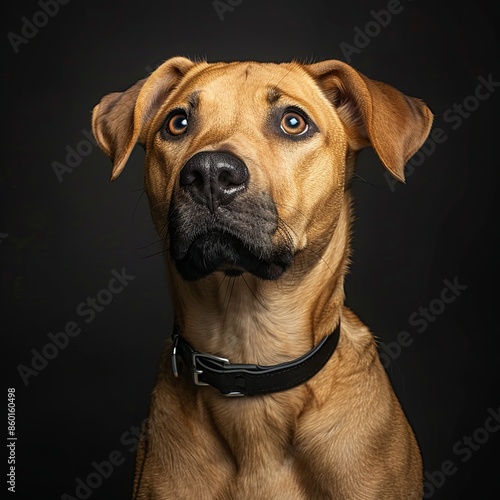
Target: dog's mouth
[237, 239]
[217, 251]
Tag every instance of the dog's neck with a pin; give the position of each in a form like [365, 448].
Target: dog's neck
[249, 320]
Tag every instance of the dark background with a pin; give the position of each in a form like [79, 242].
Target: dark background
[60, 241]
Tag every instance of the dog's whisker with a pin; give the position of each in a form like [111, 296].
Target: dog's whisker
[158, 242]
[287, 229]
[162, 202]
[143, 192]
[254, 295]
[362, 180]
[276, 86]
[161, 252]
[297, 210]
[230, 288]
[320, 257]
[225, 277]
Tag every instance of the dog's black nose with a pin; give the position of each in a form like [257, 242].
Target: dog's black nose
[214, 178]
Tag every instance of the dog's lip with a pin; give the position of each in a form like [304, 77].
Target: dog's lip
[226, 237]
[221, 234]
[233, 256]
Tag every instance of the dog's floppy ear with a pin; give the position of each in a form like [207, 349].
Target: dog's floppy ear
[117, 121]
[375, 113]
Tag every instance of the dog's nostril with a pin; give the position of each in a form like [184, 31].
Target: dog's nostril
[192, 177]
[197, 179]
[224, 179]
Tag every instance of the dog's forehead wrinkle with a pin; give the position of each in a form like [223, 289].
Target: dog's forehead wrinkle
[262, 74]
[273, 94]
[193, 99]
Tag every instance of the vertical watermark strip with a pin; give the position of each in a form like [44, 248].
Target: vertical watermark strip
[11, 440]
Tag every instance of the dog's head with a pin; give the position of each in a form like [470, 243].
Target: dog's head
[247, 163]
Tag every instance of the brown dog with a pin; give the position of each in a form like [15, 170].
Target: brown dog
[248, 167]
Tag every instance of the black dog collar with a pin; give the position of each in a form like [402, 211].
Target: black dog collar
[250, 380]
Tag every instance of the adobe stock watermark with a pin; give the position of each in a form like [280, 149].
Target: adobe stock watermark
[421, 319]
[223, 6]
[31, 27]
[88, 310]
[74, 155]
[102, 470]
[455, 116]
[364, 36]
[463, 450]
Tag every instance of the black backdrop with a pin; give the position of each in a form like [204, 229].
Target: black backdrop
[424, 258]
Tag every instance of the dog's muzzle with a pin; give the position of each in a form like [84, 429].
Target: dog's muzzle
[218, 223]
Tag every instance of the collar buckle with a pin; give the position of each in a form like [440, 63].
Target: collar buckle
[197, 371]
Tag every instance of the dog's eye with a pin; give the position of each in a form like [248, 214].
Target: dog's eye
[293, 123]
[177, 124]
